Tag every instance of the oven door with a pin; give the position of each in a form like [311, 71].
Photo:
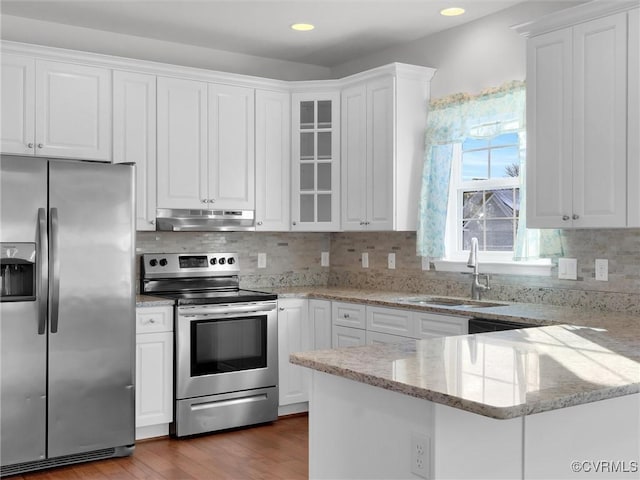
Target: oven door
[226, 348]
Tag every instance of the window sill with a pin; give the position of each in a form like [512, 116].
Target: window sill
[539, 268]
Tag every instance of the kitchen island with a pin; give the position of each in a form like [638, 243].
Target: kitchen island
[557, 401]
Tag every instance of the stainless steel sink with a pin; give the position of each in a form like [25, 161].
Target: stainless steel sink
[447, 302]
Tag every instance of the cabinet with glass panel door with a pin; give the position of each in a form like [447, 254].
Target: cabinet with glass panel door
[315, 202]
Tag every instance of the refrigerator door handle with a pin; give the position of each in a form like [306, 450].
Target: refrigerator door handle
[54, 273]
[43, 271]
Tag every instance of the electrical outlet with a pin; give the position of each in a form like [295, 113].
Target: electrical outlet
[568, 268]
[391, 261]
[420, 455]
[324, 259]
[262, 260]
[365, 260]
[425, 263]
[602, 269]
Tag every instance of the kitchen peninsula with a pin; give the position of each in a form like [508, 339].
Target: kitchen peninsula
[515, 404]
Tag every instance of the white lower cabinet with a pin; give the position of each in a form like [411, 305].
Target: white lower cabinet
[320, 319]
[347, 336]
[430, 325]
[377, 338]
[154, 371]
[294, 335]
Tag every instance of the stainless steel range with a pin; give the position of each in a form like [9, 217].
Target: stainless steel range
[226, 340]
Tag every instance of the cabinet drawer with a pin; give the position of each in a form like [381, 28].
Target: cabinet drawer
[348, 337]
[348, 315]
[430, 325]
[390, 320]
[154, 319]
[377, 338]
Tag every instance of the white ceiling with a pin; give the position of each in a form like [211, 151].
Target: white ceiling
[345, 29]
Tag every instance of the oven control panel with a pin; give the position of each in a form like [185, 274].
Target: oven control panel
[189, 264]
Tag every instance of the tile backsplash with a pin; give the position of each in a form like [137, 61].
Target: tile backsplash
[293, 259]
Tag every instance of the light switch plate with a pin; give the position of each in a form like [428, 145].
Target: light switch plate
[568, 268]
[425, 263]
[262, 260]
[324, 259]
[365, 260]
[602, 269]
[391, 261]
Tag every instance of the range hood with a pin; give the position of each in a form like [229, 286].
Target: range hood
[183, 220]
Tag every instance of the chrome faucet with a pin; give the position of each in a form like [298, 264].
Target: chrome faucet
[476, 287]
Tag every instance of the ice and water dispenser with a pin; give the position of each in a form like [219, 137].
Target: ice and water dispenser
[18, 269]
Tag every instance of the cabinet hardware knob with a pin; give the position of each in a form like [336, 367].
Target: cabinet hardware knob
[361, 223]
[151, 320]
[575, 216]
[152, 222]
[346, 315]
[211, 200]
[40, 145]
[204, 200]
[259, 223]
[565, 217]
[295, 223]
[281, 309]
[29, 145]
[367, 223]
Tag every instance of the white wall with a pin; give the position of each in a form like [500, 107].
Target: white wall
[52, 34]
[477, 55]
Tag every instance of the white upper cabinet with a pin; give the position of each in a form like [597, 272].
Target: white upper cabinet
[633, 126]
[315, 183]
[273, 161]
[577, 124]
[182, 144]
[55, 109]
[134, 137]
[231, 166]
[18, 104]
[383, 127]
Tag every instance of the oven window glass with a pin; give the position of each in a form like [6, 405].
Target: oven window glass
[228, 345]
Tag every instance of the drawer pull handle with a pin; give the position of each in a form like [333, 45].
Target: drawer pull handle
[346, 315]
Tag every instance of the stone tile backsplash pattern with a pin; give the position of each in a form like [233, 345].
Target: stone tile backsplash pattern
[293, 259]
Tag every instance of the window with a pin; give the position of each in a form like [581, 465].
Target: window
[484, 195]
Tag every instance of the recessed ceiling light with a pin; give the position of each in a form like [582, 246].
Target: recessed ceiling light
[302, 27]
[452, 12]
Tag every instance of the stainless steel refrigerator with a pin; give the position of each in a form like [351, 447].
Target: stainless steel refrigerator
[67, 329]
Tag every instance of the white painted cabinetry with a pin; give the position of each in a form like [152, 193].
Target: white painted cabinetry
[577, 123]
[231, 166]
[134, 137]
[294, 335]
[182, 144]
[633, 126]
[383, 123]
[55, 109]
[315, 169]
[320, 319]
[273, 161]
[348, 324]
[154, 371]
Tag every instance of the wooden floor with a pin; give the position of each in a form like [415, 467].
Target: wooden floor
[274, 451]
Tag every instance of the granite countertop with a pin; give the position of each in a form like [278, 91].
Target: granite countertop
[151, 301]
[574, 357]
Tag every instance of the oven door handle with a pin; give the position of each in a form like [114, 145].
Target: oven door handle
[226, 309]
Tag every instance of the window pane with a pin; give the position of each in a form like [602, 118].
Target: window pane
[500, 234]
[307, 117]
[324, 176]
[475, 165]
[307, 208]
[470, 229]
[324, 145]
[505, 139]
[505, 162]
[324, 114]
[472, 205]
[324, 208]
[307, 180]
[499, 203]
[472, 143]
[307, 146]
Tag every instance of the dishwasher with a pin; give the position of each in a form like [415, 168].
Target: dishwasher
[481, 325]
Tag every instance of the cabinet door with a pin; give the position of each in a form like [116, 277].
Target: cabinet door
[134, 138]
[273, 161]
[549, 130]
[354, 157]
[182, 144]
[294, 335]
[377, 338]
[348, 315]
[231, 176]
[320, 319]
[380, 154]
[73, 111]
[347, 337]
[315, 186]
[600, 122]
[18, 105]
[154, 378]
[633, 127]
